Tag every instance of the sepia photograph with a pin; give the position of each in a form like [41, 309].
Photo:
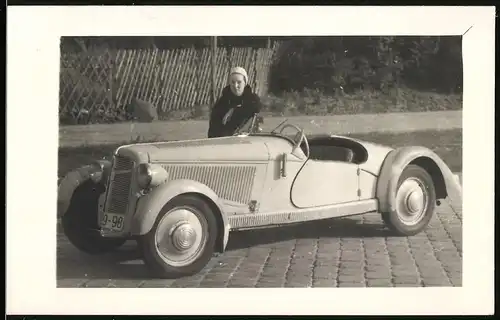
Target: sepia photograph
[328, 159]
[260, 162]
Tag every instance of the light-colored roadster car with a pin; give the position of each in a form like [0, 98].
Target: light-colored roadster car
[181, 199]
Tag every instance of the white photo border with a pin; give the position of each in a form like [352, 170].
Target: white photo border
[33, 35]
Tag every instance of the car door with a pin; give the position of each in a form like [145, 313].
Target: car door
[321, 183]
[284, 165]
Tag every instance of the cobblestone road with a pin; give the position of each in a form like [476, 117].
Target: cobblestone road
[349, 252]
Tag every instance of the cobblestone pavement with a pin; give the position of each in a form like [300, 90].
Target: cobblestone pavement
[350, 252]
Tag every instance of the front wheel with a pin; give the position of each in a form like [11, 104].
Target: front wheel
[415, 202]
[79, 223]
[182, 239]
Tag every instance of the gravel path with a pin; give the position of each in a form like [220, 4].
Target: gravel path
[164, 130]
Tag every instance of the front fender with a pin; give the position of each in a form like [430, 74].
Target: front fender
[97, 171]
[397, 160]
[150, 205]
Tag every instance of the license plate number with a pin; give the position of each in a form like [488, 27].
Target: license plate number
[112, 221]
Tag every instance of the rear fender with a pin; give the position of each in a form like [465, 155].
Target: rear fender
[150, 205]
[98, 171]
[446, 183]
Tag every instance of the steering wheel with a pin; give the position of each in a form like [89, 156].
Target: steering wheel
[299, 139]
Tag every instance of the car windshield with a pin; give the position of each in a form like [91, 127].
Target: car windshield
[247, 126]
[279, 125]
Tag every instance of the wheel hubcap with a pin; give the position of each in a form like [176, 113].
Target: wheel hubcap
[415, 201]
[411, 201]
[181, 236]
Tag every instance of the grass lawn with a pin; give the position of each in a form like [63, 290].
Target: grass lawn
[447, 144]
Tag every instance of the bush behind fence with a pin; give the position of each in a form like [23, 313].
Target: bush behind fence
[98, 85]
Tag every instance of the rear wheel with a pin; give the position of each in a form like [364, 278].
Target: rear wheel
[415, 202]
[182, 239]
[80, 222]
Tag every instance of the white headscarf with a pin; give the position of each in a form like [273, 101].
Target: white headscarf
[240, 70]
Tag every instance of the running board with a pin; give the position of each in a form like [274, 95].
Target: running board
[301, 215]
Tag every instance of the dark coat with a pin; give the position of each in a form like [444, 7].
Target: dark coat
[250, 105]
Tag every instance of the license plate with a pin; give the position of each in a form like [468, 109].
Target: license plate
[112, 221]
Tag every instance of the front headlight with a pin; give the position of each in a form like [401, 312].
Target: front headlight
[151, 175]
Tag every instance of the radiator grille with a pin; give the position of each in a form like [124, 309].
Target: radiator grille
[232, 183]
[119, 188]
[122, 163]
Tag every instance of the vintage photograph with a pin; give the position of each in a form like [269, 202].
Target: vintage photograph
[260, 161]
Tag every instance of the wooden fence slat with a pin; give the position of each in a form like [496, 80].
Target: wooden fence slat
[204, 75]
[191, 87]
[248, 64]
[208, 88]
[195, 89]
[128, 81]
[125, 78]
[121, 74]
[177, 81]
[151, 79]
[173, 63]
[183, 96]
[224, 71]
[169, 79]
[134, 75]
[159, 80]
[205, 83]
[219, 72]
[254, 70]
[180, 99]
[147, 75]
[163, 66]
[119, 58]
[197, 71]
[242, 58]
[169, 60]
[261, 72]
[141, 75]
[155, 80]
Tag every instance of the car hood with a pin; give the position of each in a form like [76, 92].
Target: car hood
[235, 148]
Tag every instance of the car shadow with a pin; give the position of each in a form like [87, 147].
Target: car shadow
[126, 263]
[332, 228]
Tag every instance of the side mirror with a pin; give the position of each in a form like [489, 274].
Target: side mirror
[260, 120]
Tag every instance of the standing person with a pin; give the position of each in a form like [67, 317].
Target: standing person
[237, 104]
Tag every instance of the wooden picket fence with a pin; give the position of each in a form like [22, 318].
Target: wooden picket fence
[100, 84]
